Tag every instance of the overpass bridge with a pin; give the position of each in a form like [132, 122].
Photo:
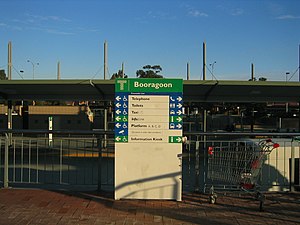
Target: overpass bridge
[193, 90]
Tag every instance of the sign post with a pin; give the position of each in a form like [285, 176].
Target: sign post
[148, 138]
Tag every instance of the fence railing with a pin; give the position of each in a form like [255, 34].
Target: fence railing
[66, 159]
[86, 159]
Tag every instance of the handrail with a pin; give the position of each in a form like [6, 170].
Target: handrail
[21, 131]
[274, 134]
[102, 131]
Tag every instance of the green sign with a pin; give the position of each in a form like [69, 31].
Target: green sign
[148, 85]
[175, 139]
[121, 139]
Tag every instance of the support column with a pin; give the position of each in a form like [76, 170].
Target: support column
[105, 60]
[5, 181]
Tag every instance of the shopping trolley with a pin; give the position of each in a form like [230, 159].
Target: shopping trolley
[238, 165]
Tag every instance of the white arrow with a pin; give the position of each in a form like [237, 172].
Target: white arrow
[118, 138]
[121, 131]
[118, 105]
[118, 125]
[179, 105]
[179, 119]
[179, 112]
[179, 126]
[178, 139]
[118, 98]
[118, 111]
[179, 98]
[118, 118]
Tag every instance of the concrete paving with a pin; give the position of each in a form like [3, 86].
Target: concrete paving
[34, 206]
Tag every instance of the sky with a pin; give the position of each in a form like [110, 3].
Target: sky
[169, 33]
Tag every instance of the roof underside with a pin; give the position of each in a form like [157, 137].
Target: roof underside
[193, 90]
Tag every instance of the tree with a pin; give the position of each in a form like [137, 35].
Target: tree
[3, 75]
[119, 74]
[259, 79]
[262, 79]
[149, 71]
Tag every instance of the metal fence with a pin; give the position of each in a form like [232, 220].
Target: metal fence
[87, 160]
[63, 161]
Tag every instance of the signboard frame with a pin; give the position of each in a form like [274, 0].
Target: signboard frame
[148, 119]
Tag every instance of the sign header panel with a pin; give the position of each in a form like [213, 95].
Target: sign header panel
[148, 85]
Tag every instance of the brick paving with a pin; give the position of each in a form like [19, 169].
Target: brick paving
[34, 206]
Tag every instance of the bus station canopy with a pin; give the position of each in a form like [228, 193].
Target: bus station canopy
[193, 90]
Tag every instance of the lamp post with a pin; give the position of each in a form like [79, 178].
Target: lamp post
[212, 69]
[286, 76]
[33, 65]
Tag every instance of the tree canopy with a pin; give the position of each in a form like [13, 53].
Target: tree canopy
[3, 75]
[119, 74]
[149, 71]
[259, 79]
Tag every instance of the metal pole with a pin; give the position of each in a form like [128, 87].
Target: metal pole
[33, 67]
[299, 81]
[204, 78]
[102, 146]
[105, 59]
[9, 120]
[204, 61]
[9, 65]
[199, 152]
[9, 103]
[188, 71]
[123, 70]
[5, 182]
[32, 71]
[252, 72]
[299, 117]
[105, 127]
[58, 70]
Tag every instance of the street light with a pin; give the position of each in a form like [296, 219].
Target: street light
[212, 69]
[286, 76]
[33, 65]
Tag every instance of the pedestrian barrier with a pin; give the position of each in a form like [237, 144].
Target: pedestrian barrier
[73, 160]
